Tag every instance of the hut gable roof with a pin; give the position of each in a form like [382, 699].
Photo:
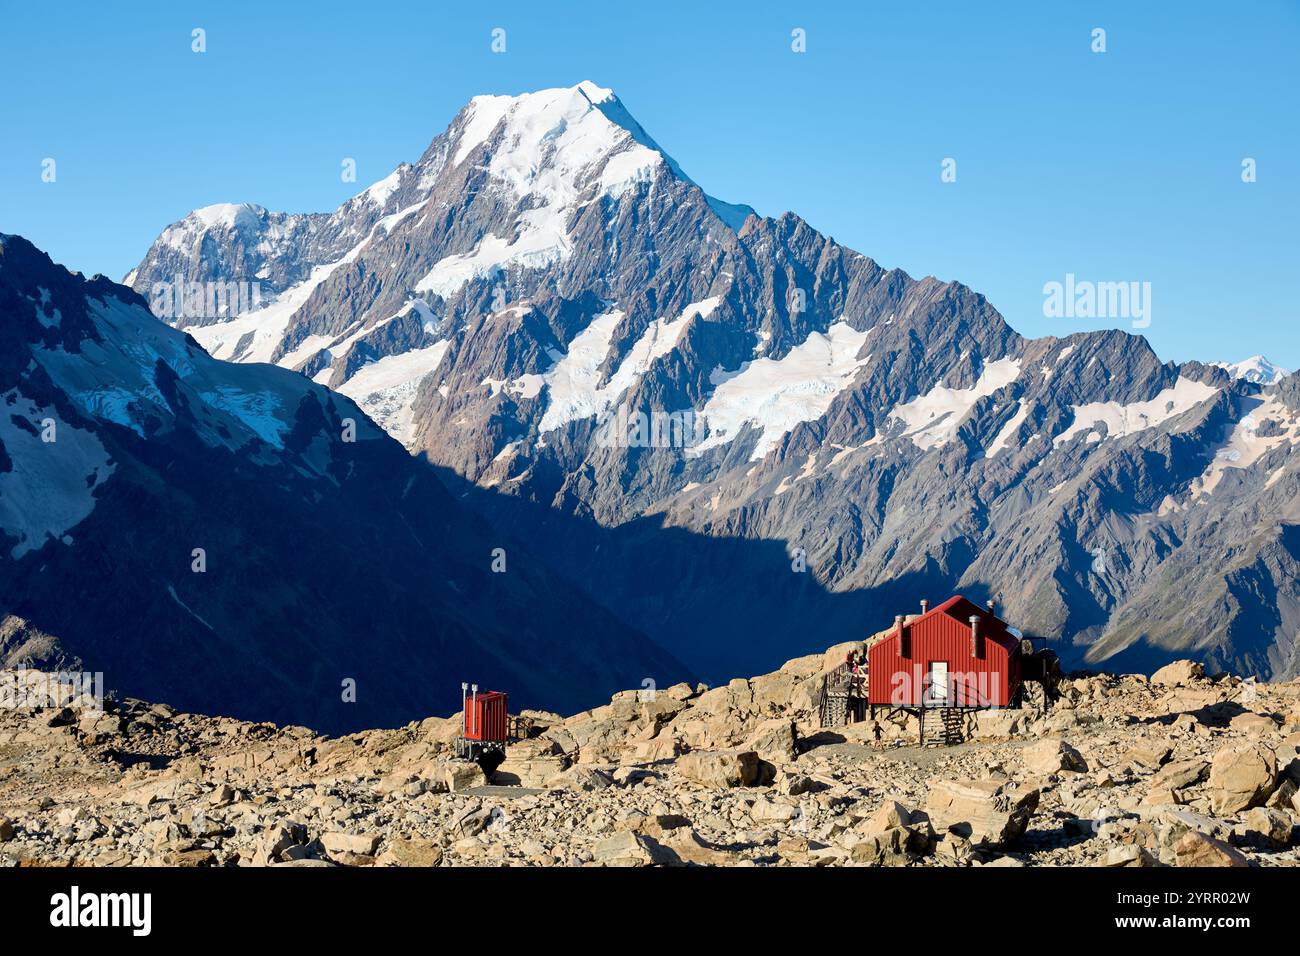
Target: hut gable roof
[959, 609]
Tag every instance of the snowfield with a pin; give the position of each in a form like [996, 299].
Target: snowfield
[574, 385]
[51, 486]
[1121, 420]
[775, 395]
[931, 420]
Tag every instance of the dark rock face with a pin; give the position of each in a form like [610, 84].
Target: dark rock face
[842, 439]
[238, 539]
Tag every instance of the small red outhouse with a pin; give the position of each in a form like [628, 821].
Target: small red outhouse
[485, 717]
[955, 655]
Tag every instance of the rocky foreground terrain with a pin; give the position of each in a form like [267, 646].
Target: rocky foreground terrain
[1179, 769]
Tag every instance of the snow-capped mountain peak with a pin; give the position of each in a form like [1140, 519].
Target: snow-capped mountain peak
[219, 217]
[497, 203]
[554, 136]
[1257, 369]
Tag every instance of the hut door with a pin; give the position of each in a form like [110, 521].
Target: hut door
[938, 695]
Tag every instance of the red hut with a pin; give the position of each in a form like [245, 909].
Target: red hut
[955, 655]
[485, 726]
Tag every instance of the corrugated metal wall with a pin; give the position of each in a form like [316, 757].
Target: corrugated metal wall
[485, 717]
[985, 681]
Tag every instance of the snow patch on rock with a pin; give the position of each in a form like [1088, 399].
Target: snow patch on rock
[386, 389]
[1008, 430]
[50, 487]
[931, 420]
[574, 387]
[775, 395]
[1121, 420]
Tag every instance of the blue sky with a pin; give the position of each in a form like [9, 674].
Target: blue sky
[1118, 166]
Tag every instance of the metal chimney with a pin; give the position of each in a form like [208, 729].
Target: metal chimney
[925, 605]
[898, 626]
[975, 645]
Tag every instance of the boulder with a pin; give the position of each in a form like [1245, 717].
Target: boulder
[767, 810]
[601, 739]
[1284, 796]
[1180, 773]
[772, 692]
[1253, 725]
[411, 852]
[530, 763]
[70, 815]
[458, 775]
[1265, 828]
[795, 784]
[664, 746]
[681, 691]
[998, 723]
[355, 843]
[1150, 755]
[720, 769]
[306, 862]
[1196, 849]
[805, 697]
[581, 779]
[1184, 724]
[794, 850]
[1179, 672]
[6, 830]
[736, 696]
[888, 815]
[954, 850]
[626, 848]
[1128, 855]
[1052, 756]
[805, 666]
[689, 848]
[632, 776]
[1171, 823]
[195, 856]
[277, 840]
[775, 740]
[469, 822]
[986, 812]
[1241, 778]
[528, 773]
[888, 848]
[1161, 796]
[1194, 700]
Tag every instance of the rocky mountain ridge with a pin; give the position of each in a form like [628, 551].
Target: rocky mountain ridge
[243, 541]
